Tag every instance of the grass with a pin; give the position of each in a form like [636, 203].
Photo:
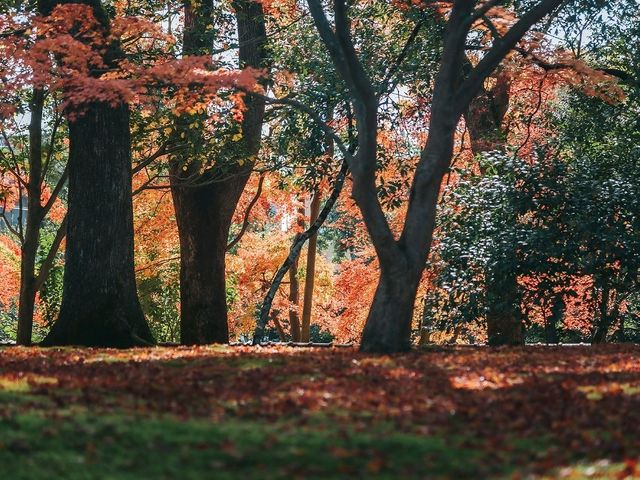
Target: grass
[280, 414]
[77, 445]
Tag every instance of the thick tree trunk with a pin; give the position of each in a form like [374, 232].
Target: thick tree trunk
[100, 305]
[388, 327]
[203, 219]
[205, 204]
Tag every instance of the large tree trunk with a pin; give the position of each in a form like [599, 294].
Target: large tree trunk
[100, 305]
[205, 204]
[388, 327]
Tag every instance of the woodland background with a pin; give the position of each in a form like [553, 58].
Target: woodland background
[417, 179]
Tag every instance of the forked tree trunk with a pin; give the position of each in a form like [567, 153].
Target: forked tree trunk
[205, 204]
[100, 305]
[402, 261]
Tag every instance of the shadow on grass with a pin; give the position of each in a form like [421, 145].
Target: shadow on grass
[468, 413]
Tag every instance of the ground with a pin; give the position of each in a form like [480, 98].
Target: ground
[240, 412]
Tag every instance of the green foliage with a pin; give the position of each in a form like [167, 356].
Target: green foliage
[160, 299]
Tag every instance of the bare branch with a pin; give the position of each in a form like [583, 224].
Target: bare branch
[298, 243]
[314, 116]
[500, 48]
[56, 191]
[384, 86]
[51, 255]
[245, 221]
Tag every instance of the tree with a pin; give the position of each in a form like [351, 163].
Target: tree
[100, 306]
[402, 260]
[205, 198]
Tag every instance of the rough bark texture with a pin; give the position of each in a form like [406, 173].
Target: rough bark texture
[388, 327]
[205, 204]
[100, 306]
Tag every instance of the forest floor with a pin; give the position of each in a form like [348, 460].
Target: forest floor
[261, 413]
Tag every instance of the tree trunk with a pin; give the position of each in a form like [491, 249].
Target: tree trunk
[388, 326]
[311, 270]
[504, 322]
[100, 305]
[203, 219]
[294, 299]
[484, 119]
[31, 239]
[204, 207]
[604, 322]
[557, 314]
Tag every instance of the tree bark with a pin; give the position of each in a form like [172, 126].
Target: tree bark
[294, 299]
[205, 205]
[309, 279]
[557, 314]
[388, 326]
[100, 305]
[29, 248]
[294, 252]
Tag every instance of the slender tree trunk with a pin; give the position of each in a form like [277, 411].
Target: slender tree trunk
[309, 280]
[294, 285]
[31, 239]
[294, 300]
[557, 313]
[604, 322]
[205, 206]
[483, 119]
[100, 305]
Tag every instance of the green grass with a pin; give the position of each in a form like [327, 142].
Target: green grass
[83, 446]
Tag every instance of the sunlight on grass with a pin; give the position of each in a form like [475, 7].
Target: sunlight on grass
[23, 384]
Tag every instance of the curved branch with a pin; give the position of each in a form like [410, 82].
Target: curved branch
[245, 221]
[299, 241]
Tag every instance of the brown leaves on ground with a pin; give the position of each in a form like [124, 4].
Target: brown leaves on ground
[585, 401]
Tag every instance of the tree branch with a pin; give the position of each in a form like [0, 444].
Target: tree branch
[51, 255]
[298, 243]
[245, 221]
[500, 48]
